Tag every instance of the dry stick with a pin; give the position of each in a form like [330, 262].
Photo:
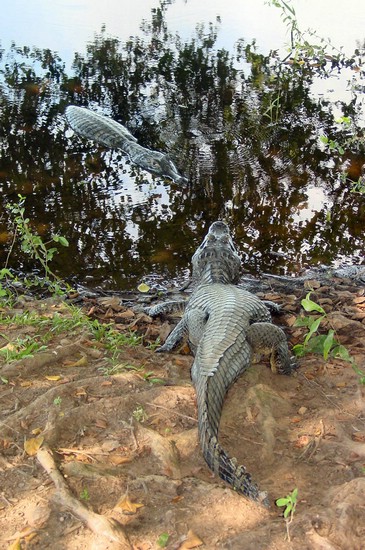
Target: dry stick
[174, 412]
[100, 525]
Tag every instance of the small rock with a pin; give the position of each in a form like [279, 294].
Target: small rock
[302, 410]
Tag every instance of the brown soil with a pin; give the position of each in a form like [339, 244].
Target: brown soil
[127, 444]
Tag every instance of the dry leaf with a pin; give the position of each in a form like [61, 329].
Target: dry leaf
[30, 537]
[177, 499]
[15, 545]
[31, 446]
[54, 378]
[127, 314]
[358, 436]
[142, 546]
[79, 392]
[192, 541]
[101, 423]
[302, 441]
[127, 506]
[117, 459]
[80, 363]
[37, 431]
[26, 384]
[8, 347]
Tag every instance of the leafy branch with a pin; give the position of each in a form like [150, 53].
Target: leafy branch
[32, 244]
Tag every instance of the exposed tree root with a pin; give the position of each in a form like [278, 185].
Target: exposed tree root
[100, 525]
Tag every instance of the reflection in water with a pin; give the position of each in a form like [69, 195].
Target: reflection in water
[247, 141]
[105, 131]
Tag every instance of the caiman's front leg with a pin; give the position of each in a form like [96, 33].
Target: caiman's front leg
[191, 326]
[174, 306]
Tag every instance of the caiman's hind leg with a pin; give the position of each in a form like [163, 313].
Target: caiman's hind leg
[268, 338]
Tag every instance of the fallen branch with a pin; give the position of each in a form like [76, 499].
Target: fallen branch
[173, 412]
[100, 525]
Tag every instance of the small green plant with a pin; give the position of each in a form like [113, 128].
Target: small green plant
[84, 495]
[154, 345]
[6, 295]
[57, 401]
[117, 369]
[112, 339]
[33, 245]
[152, 379]
[290, 503]
[332, 145]
[358, 186]
[163, 539]
[140, 414]
[273, 110]
[21, 348]
[325, 344]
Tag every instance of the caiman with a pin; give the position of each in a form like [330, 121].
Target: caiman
[108, 132]
[224, 325]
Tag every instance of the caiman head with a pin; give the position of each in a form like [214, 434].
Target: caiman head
[216, 260]
[161, 165]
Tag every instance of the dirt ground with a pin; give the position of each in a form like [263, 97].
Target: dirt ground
[124, 437]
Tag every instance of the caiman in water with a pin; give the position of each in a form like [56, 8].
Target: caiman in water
[108, 132]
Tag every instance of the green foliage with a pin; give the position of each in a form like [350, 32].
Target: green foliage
[163, 539]
[112, 339]
[311, 54]
[117, 369]
[57, 401]
[324, 344]
[33, 246]
[67, 321]
[84, 495]
[290, 502]
[6, 294]
[20, 348]
[358, 186]
[140, 414]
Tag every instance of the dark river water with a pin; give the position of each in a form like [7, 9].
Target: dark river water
[244, 127]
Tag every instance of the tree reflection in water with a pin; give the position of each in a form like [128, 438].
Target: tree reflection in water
[248, 140]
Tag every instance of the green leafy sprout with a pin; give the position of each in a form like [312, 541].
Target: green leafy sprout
[290, 503]
[325, 344]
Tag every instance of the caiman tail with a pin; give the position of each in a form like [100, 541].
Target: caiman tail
[227, 359]
[210, 396]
